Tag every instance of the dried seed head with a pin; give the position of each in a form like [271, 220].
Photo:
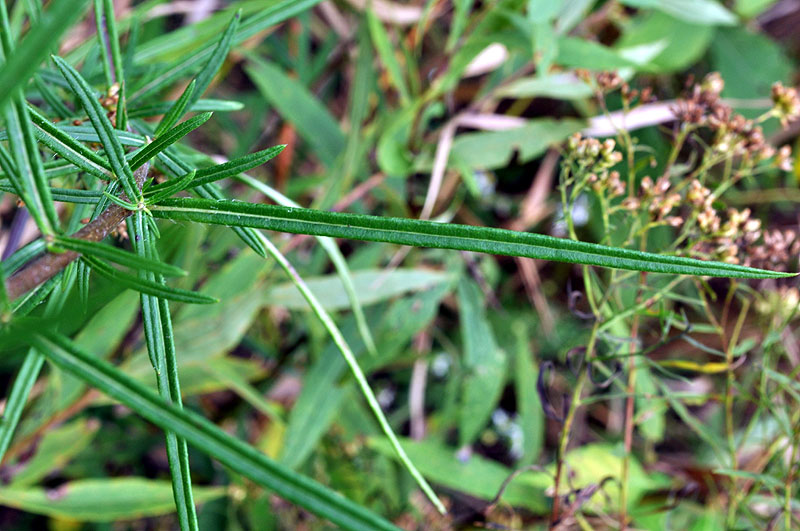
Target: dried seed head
[786, 103]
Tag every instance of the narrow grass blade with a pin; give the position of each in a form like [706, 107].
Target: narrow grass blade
[387, 54]
[336, 257]
[147, 286]
[116, 255]
[102, 125]
[177, 110]
[236, 166]
[66, 147]
[208, 438]
[420, 233]
[113, 41]
[358, 374]
[32, 51]
[51, 97]
[162, 142]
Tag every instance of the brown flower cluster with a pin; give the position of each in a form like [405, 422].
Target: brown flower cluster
[786, 103]
[733, 134]
[594, 159]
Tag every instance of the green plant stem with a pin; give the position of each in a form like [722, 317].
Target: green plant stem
[729, 399]
[358, 374]
[563, 441]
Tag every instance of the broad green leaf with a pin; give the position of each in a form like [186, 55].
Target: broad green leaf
[484, 364]
[441, 235]
[297, 105]
[203, 105]
[494, 149]
[475, 476]
[482, 478]
[700, 12]
[35, 46]
[371, 286]
[685, 42]
[580, 53]
[208, 438]
[529, 406]
[101, 500]
[56, 449]
[749, 63]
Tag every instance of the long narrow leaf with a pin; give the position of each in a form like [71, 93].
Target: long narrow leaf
[358, 374]
[116, 255]
[50, 128]
[218, 56]
[420, 233]
[176, 111]
[208, 438]
[236, 166]
[156, 336]
[32, 51]
[146, 286]
[167, 139]
[102, 125]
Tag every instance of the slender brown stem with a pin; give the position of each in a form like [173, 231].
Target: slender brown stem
[50, 264]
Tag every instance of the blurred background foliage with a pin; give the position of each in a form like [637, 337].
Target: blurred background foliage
[451, 111]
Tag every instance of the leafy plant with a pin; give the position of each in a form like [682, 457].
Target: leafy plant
[88, 165]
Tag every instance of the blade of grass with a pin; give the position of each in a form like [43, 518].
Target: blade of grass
[208, 438]
[23, 144]
[358, 374]
[34, 48]
[420, 233]
[102, 125]
[68, 148]
[162, 142]
[203, 105]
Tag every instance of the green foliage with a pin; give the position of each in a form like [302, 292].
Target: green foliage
[476, 281]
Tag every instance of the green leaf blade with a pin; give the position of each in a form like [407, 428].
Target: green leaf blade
[439, 235]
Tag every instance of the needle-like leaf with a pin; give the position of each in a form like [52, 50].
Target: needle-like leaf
[208, 438]
[102, 125]
[420, 233]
